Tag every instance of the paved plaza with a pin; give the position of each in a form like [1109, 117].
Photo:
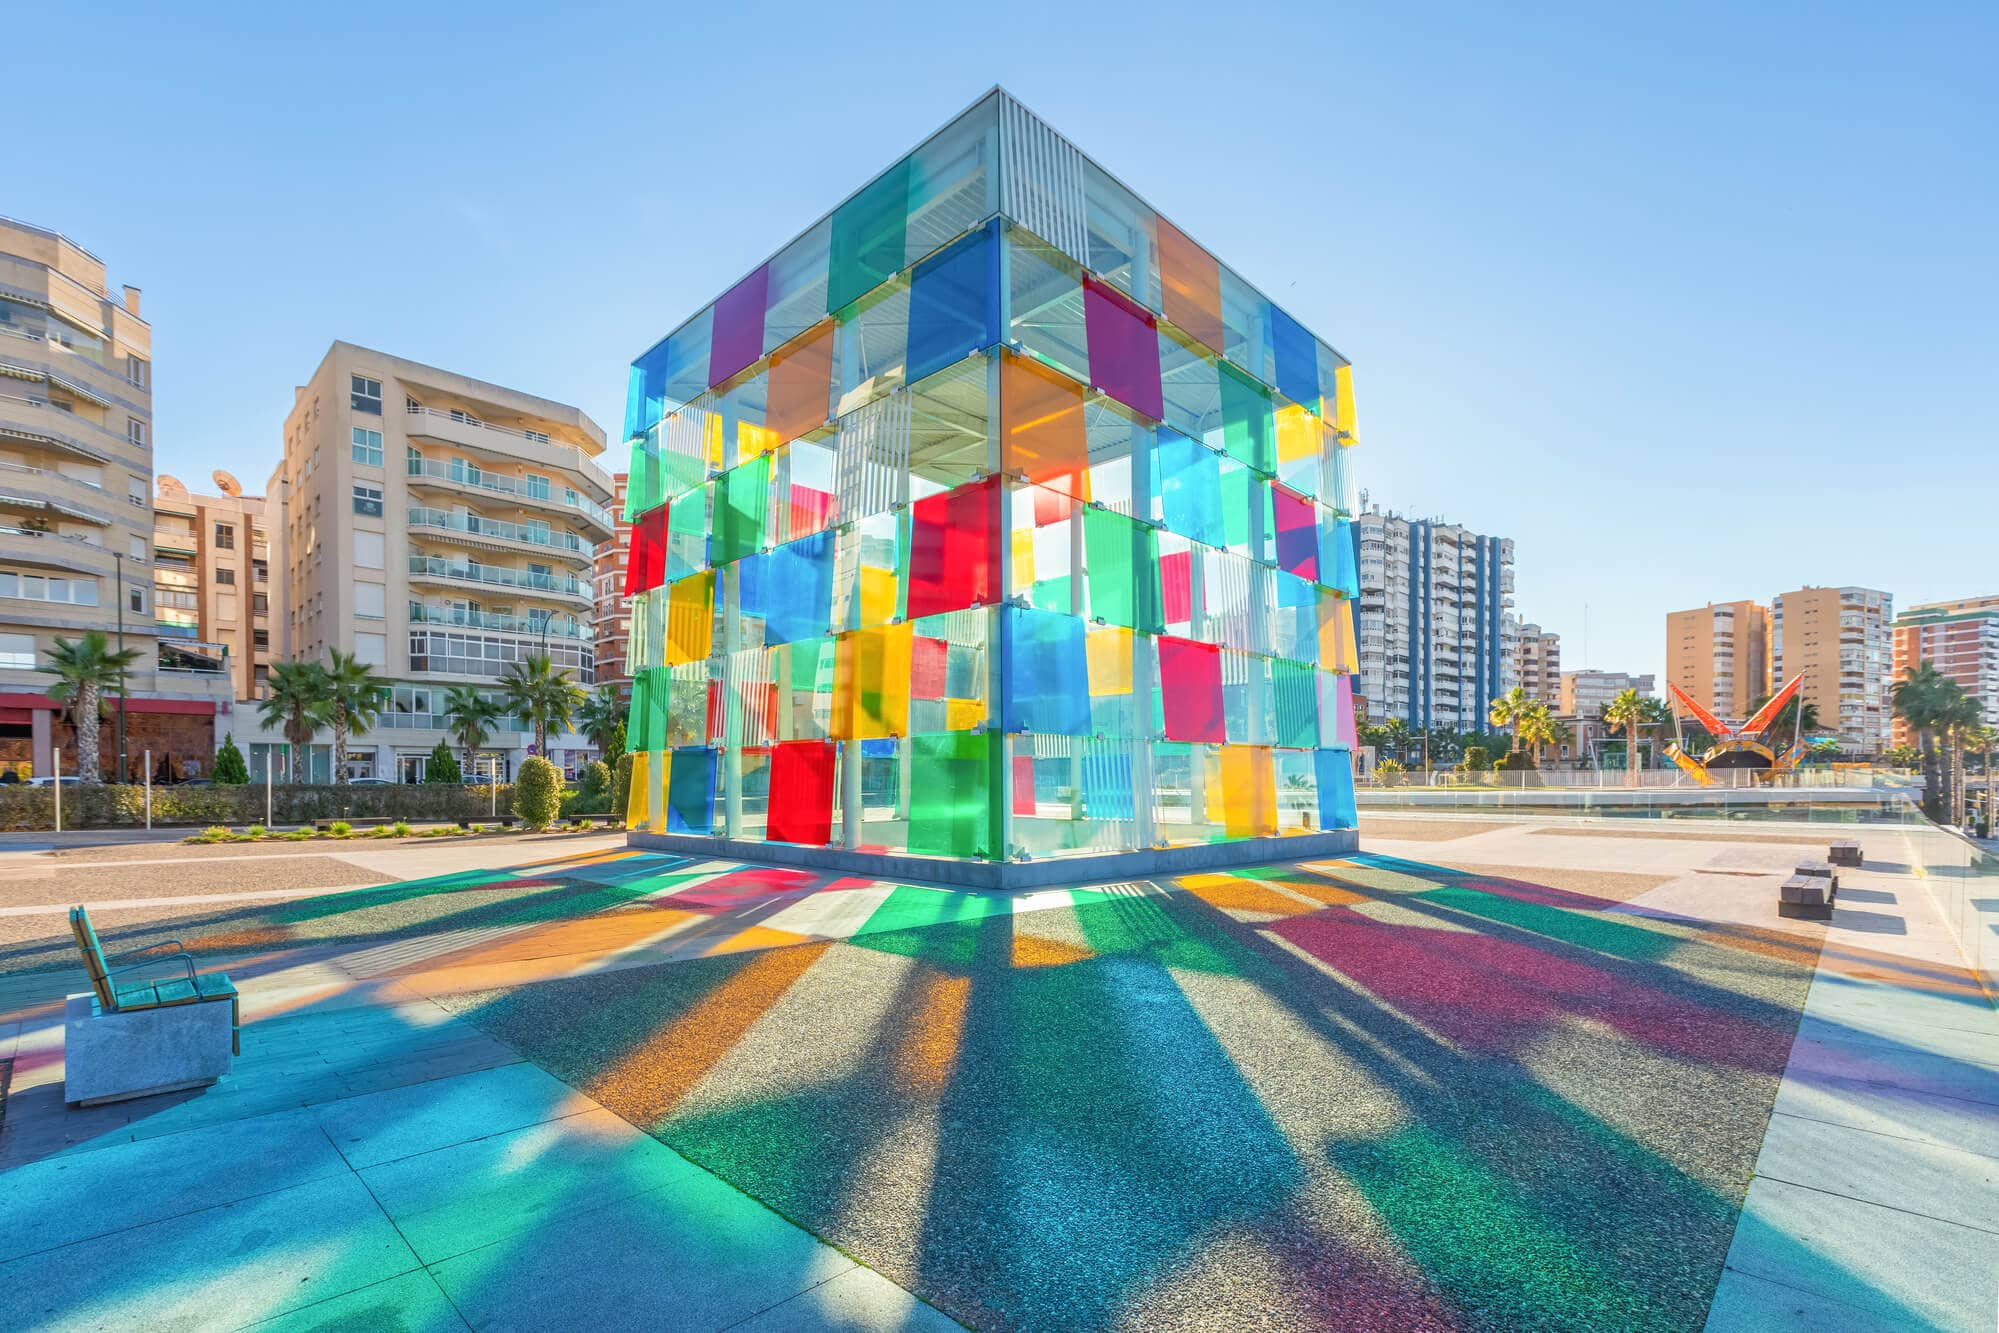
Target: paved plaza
[1484, 1074]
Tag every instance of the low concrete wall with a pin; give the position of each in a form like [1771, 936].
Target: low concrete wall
[1067, 870]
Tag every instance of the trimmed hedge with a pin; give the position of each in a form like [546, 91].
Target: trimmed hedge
[115, 805]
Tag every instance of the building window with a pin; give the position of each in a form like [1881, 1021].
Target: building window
[136, 599]
[260, 604]
[17, 652]
[138, 371]
[536, 436]
[37, 588]
[135, 431]
[368, 447]
[260, 570]
[135, 491]
[260, 638]
[368, 500]
[225, 537]
[226, 577]
[370, 600]
[364, 394]
[538, 487]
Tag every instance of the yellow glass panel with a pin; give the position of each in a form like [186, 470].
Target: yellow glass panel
[1109, 650]
[1337, 650]
[963, 714]
[877, 595]
[1249, 786]
[1297, 434]
[1343, 413]
[635, 798]
[1023, 557]
[871, 683]
[711, 439]
[754, 441]
[690, 619]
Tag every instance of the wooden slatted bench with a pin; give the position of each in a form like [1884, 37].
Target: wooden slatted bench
[1846, 852]
[134, 1038]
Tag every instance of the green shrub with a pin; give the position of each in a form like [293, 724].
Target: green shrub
[213, 833]
[596, 779]
[442, 767]
[1477, 759]
[230, 770]
[1388, 773]
[296, 835]
[402, 828]
[1517, 761]
[256, 831]
[537, 793]
[621, 785]
[340, 828]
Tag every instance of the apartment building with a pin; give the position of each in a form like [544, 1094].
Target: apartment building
[1537, 659]
[1720, 655]
[441, 528]
[614, 609]
[1586, 693]
[1435, 640]
[212, 581]
[1839, 639]
[1962, 638]
[76, 512]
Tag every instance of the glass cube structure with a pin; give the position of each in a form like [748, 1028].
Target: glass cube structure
[993, 522]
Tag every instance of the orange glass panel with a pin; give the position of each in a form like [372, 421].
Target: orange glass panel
[1042, 435]
[871, 683]
[1249, 792]
[801, 385]
[1337, 650]
[1193, 283]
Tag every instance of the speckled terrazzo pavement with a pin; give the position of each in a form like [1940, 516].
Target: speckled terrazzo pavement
[1370, 1094]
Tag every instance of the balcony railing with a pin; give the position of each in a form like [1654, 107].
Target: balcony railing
[498, 576]
[581, 461]
[464, 619]
[511, 487]
[472, 525]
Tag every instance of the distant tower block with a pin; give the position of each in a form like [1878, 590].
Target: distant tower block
[994, 533]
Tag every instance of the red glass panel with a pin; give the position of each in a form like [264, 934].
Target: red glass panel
[953, 550]
[927, 658]
[801, 793]
[1023, 784]
[1190, 683]
[645, 565]
[1176, 573]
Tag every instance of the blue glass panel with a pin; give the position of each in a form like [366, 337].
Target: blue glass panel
[1336, 800]
[690, 790]
[1047, 680]
[879, 748]
[1339, 566]
[1297, 359]
[954, 302]
[797, 598]
[1189, 485]
[1107, 781]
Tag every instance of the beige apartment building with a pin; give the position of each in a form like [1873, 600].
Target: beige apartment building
[1962, 638]
[1839, 640]
[1537, 656]
[1720, 655]
[76, 511]
[1585, 694]
[614, 609]
[212, 581]
[440, 528]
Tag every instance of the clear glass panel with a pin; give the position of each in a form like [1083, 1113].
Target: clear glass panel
[1124, 247]
[1045, 304]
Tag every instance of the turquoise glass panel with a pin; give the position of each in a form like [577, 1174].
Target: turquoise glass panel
[1188, 482]
[869, 233]
[690, 791]
[1336, 799]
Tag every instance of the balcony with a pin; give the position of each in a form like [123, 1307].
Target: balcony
[34, 490]
[465, 432]
[439, 570]
[38, 423]
[464, 619]
[50, 550]
[479, 482]
[503, 535]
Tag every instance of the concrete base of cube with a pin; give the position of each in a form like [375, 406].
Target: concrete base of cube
[1038, 874]
[112, 1057]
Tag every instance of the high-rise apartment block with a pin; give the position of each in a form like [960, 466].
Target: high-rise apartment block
[1720, 655]
[212, 582]
[992, 519]
[614, 609]
[1585, 694]
[1436, 644]
[1962, 638]
[76, 513]
[1537, 657]
[441, 528]
[1839, 640]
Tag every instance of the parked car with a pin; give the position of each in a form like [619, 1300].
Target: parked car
[369, 782]
[68, 780]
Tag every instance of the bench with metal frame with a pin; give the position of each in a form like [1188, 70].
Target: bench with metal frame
[125, 1002]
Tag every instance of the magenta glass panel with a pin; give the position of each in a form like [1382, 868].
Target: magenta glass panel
[1190, 680]
[1297, 532]
[1124, 349]
[739, 327]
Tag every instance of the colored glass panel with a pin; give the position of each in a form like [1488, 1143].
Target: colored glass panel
[1249, 792]
[953, 552]
[1024, 802]
[954, 302]
[690, 618]
[801, 792]
[1176, 578]
[690, 791]
[1336, 636]
[645, 564]
[1122, 560]
[869, 232]
[1109, 652]
[1339, 566]
[1193, 287]
[1344, 731]
[638, 798]
[742, 502]
[1046, 676]
[1247, 425]
[1337, 808]
[1297, 532]
[1041, 428]
[1190, 682]
[1189, 487]
[871, 683]
[1124, 348]
[1297, 354]
[1108, 786]
[739, 327]
[687, 534]
[951, 792]
[1343, 411]
[1295, 688]
[801, 385]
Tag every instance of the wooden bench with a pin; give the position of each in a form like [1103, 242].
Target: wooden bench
[131, 1038]
[1808, 896]
[1844, 853]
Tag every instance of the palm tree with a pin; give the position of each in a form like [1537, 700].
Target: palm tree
[354, 696]
[1787, 724]
[1921, 697]
[84, 669]
[1627, 709]
[1985, 738]
[535, 690]
[1961, 716]
[1535, 728]
[1510, 710]
[298, 702]
[471, 716]
[600, 717]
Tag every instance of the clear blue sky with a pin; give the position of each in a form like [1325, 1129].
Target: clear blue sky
[1694, 304]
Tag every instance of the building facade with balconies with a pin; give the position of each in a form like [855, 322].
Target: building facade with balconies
[1720, 655]
[1436, 644]
[1537, 663]
[614, 609]
[212, 583]
[1840, 640]
[441, 528]
[1962, 638]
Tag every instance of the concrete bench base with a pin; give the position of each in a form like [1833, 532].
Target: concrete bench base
[112, 1057]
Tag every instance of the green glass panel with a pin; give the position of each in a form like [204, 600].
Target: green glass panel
[952, 793]
[643, 488]
[1236, 495]
[1123, 569]
[1296, 687]
[1248, 429]
[869, 233]
[741, 502]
